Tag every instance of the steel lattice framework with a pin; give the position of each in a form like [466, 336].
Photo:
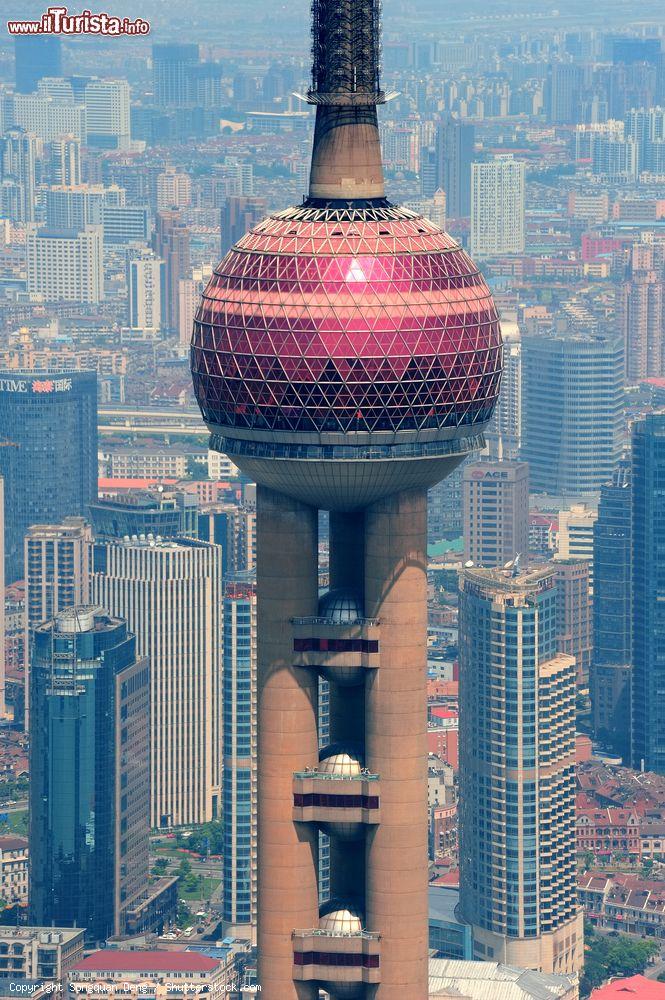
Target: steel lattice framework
[345, 50]
[346, 321]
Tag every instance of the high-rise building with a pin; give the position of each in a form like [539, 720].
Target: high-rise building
[565, 86]
[497, 206]
[3, 633]
[163, 512]
[172, 66]
[234, 528]
[18, 153]
[107, 113]
[575, 535]
[238, 216]
[36, 56]
[51, 473]
[77, 206]
[648, 593]
[189, 295]
[145, 285]
[444, 507]
[171, 244]
[504, 435]
[574, 615]
[517, 774]
[57, 574]
[496, 513]
[170, 593]
[66, 266]
[174, 189]
[572, 395]
[239, 760]
[89, 773]
[454, 154]
[315, 377]
[48, 117]
[65, 163]
[610, 673]
[641, 312]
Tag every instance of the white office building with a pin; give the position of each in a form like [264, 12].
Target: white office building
[497, 207]
[170, 593]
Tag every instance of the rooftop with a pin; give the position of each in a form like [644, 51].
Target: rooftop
[635, 986]
[146, 961]
[492, 981]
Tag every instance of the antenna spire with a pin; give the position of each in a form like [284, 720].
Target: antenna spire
[346, 157]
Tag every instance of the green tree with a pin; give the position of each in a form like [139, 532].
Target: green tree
[184, 868]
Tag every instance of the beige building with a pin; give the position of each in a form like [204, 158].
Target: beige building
[517, 774]
[574, 617]
[497, 207]
[170, 594]
[496, 512]
[14, 869]
[44, 953]
[575, 537]
[65, 266]
[147, 463]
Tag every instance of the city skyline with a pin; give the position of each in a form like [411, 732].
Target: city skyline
[355, 691]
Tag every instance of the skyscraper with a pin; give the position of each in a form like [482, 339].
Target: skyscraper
[145, 287]
[171, 244]
[610, 674]
[57, 573]
[170, 594]
[517, 774]
[238, 216]
[497, 206]
[3, 664]
[320, 384]
[565, 85]
[89, 773]
[66, 161]
[648, 592]
[504, 435]
[239, 762]
[66, 266]
[454, 154]
[107, 114]
[571, 415]
[36, 56]
[172, 65]
[52, 472]
[641, 312]
[17, 163]
[496, 513]
[574, 617]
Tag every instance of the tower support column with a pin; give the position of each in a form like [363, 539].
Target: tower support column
[287, 587]
[396, 741]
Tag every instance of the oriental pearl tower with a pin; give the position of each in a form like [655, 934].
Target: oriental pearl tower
[347, 356]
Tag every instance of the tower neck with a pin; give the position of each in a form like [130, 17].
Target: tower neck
[346, 157]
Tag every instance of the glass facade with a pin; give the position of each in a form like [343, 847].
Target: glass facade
[48, 428]
[239, 741]
[572, 395]
[648, 576]
[379, 324]
[611, 570]
[80, 732]
[517, 729]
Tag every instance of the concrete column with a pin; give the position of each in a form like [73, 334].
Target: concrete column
[396, 741]
[287, 587]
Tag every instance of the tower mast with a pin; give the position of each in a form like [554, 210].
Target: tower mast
[346, 157]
